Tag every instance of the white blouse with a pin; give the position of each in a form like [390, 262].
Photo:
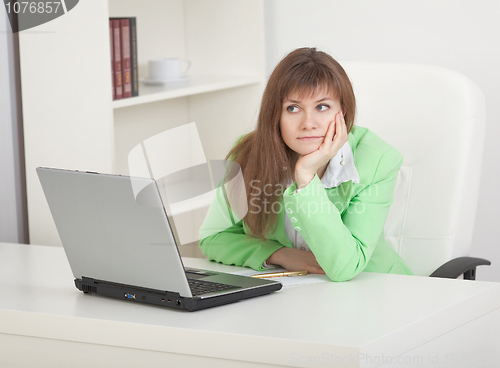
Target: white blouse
[334, 175]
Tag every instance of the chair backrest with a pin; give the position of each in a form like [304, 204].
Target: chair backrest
[436, 118]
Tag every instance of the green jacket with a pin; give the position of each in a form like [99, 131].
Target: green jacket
[343, 226]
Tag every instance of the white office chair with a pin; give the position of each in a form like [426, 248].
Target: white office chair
[436, 118]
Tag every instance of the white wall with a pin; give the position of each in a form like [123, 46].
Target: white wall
[463, 35]
[12, 201]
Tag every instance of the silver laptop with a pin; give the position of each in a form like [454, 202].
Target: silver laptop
[119, 243]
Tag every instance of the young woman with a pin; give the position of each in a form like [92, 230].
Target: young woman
[317, 189]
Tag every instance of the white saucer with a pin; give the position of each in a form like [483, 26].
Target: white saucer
[157, 82]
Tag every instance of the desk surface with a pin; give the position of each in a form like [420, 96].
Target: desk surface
[373, 313]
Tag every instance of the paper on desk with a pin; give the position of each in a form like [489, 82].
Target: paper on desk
[286, 280]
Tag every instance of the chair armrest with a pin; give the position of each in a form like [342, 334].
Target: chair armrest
[458, 266]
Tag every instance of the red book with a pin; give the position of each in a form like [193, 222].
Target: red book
[126, 64]
[118, 60]
[112, 58]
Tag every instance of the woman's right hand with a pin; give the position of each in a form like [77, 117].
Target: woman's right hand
[293, 259]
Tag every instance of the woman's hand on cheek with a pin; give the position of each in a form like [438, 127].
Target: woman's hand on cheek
[293, 259]
[308, 165]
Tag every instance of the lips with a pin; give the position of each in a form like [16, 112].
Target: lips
[306, 139]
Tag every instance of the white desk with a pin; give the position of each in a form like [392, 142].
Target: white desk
[373, 320]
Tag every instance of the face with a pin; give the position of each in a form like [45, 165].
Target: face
[304, 121]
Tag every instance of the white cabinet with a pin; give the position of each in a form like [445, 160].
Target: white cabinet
[69, 118]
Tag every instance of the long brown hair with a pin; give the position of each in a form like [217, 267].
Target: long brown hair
[266, 161]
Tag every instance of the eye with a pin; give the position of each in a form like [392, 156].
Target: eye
[292, 109]
[322, 107]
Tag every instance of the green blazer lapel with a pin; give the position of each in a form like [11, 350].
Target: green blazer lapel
[279, 233]
[340, 196]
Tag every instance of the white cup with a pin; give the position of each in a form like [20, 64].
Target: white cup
[168, 69]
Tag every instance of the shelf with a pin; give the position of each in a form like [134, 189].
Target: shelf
[196, 85]
[223, 39]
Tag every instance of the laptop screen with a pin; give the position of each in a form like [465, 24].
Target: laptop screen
[114, 228]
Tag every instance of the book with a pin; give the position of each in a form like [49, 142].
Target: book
[133, 56]
[126, 63]
[129, 59]
[118, 60]
[111, 36]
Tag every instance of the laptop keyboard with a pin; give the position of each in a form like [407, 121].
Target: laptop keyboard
[203, 287]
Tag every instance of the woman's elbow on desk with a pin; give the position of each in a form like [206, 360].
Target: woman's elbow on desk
[341, 276]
